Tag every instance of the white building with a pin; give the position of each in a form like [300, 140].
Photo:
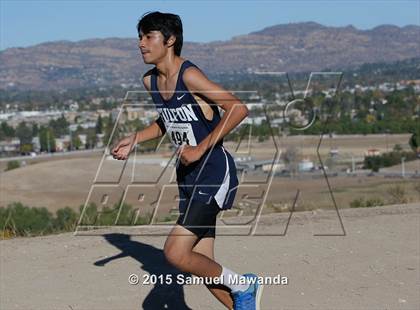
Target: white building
[305, 165]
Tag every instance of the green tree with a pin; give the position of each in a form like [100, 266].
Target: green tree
[46, 139]
[108, 129]
[99, 125]
[24, 133]
[59, 126]
[415, 141]
[76, 142]
[6, 131]
[35, 130]
[91, 139]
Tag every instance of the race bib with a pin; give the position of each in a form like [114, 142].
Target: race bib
[181, 134]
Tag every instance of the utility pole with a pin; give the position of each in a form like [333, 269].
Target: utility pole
[48, 140]
[403, 167]
[71, 143]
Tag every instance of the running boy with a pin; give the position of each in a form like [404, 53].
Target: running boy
[188, 103]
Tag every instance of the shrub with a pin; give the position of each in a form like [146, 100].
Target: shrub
[357, 203]
[398, 194]
[371, 202]
[417, 187]
[20, 220]
[26, 221]
[90, 215]
[65, 220]
[13, 164]
[374, 202]
[397, 148]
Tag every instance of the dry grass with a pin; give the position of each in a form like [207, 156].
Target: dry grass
[56, 183]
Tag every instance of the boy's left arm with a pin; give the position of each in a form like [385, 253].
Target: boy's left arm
[235, 112]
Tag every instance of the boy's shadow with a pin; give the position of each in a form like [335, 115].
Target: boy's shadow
[162, 296]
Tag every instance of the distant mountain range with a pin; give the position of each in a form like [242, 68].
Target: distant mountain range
[294, 47]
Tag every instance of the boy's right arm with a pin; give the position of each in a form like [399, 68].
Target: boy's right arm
[151, 132]
[126, 145]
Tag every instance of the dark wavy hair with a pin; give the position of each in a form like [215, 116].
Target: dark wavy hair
[168, 24]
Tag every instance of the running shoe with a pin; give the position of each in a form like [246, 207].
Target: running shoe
[249, 299]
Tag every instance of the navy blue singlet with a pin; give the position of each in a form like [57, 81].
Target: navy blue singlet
[214, 175]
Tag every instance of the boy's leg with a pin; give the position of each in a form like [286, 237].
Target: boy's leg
[178, 251]
[194, 223]
[205, 246]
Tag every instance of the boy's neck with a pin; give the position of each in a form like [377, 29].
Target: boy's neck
[169, 66]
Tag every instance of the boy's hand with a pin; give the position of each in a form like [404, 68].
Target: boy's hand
[124, 148]
[189, 154]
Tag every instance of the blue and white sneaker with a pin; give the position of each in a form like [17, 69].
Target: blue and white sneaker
[249, 299]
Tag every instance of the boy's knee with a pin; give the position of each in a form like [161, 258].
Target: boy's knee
[175, 257]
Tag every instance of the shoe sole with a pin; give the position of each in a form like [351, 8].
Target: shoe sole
[258, 297]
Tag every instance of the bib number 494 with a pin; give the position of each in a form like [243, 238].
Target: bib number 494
[180, 138]
[181, 133]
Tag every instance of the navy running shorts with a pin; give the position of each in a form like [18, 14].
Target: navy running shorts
[199, 218]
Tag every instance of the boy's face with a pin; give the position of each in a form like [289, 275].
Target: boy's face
[152, 46]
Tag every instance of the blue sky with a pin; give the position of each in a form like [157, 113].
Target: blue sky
[24, 23]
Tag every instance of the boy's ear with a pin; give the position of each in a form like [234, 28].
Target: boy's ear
[171, 41]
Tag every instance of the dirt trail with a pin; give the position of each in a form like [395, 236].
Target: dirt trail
[374, 266]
